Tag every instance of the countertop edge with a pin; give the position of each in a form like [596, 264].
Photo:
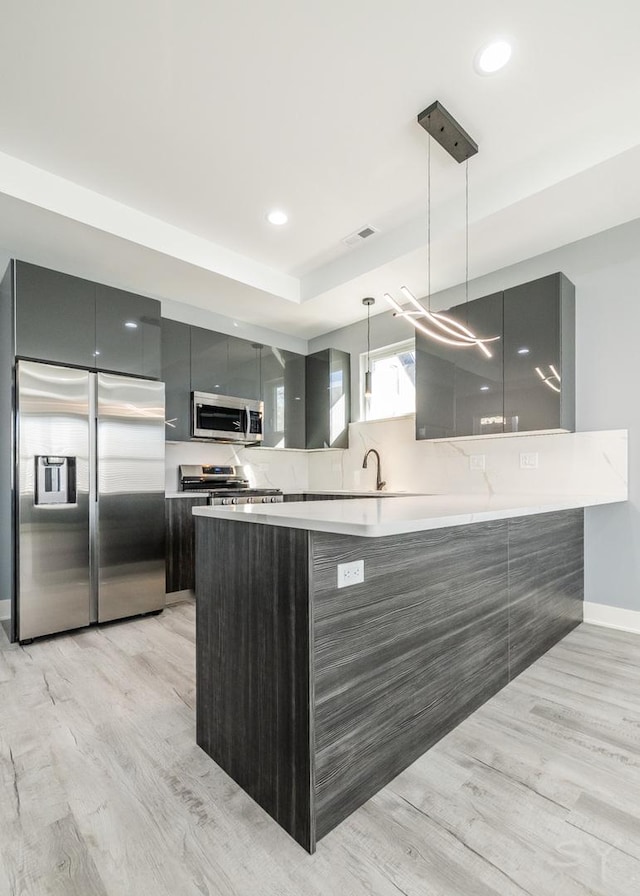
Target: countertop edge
[427, 514]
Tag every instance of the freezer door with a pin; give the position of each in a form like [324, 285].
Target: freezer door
[52, 544]
[130, 496]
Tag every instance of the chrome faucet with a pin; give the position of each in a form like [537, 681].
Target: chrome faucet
[379, 483]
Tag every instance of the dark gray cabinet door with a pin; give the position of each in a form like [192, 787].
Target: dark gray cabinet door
[328, 399]
[459, 389]
[244, 368]
[55, 316]
[127, 332]
[527, 385]
[209, 361]
[479, 408]
[294, 400]
[179, 538]
[176, 373]
[282, 375]
[539, 338]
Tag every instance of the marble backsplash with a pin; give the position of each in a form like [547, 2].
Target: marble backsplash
[265, 467]
[567, 463]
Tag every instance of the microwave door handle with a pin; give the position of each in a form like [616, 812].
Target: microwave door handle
[247, 430]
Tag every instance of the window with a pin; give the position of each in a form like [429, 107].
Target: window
[393, 381]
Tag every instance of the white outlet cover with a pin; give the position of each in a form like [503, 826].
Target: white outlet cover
[350, 573]
[529, 461]
[476, 462]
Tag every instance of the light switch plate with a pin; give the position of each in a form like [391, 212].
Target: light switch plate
[350, 573]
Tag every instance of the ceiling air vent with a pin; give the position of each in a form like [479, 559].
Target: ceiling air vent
[354, 239]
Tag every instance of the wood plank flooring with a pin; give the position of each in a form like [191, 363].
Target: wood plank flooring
[103, 790]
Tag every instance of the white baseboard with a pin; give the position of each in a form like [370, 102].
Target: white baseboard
[612, 617]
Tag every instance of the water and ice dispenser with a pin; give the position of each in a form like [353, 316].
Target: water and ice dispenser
[55, 480]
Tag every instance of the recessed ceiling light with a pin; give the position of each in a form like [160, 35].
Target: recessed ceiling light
[524, 350]
[493, 57]
[277, 217]
[484, 388]
[131, 324]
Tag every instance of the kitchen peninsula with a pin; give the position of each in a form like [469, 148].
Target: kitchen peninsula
[312, 697]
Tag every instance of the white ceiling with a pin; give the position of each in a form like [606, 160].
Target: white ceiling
[143, 143]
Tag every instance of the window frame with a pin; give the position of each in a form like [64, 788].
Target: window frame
[384, 351]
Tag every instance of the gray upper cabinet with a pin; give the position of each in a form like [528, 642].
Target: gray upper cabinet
[539, 354]
[224, 365]
[528, 383]
[55, 316]
[244, 368]
[176, 373]
[459, 391]
[68, 320]
[127, 332]
[328, 399]
[200, 360]
[282, 375]
[209, 362]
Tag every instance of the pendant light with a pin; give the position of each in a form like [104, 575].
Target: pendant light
[440, 125]
[367, 376]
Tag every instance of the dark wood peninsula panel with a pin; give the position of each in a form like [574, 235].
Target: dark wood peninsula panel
[313, 698]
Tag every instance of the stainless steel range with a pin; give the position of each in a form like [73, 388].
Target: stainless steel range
[224, 485]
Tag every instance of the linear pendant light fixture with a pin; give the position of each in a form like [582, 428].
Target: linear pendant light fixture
[367, 376]
[440, 125]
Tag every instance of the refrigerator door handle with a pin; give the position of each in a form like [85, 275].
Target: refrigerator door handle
[96, 485]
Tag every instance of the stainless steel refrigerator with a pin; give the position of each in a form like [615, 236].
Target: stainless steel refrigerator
[90, 498]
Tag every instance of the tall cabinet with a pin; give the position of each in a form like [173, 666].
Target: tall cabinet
[526, 384]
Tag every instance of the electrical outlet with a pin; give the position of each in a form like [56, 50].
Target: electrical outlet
[529, 461]
[350, 573]
[476, 462]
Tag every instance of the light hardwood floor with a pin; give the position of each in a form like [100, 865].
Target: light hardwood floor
[104, 791]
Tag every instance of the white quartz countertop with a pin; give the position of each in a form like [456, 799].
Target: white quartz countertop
[376, 517]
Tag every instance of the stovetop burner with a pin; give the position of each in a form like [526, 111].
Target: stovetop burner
[218, 481]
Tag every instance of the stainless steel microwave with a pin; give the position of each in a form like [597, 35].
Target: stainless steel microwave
[221, 418]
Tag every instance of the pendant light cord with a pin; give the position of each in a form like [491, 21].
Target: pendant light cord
[429, 222]
[369, 338]
[466, 230]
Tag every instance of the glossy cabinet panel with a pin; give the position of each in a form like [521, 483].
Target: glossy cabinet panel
[294, 400]
[68, 320]
[283, 393]
[459, 390]
[127, 332]
[176, 374]
[528, 383]
[539, 354]
[328, 399]
[209, 361]
[55, 316]
[201, 360]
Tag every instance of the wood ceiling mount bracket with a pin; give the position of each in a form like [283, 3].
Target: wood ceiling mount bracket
[447, 132]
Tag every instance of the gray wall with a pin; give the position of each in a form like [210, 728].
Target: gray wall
[606, 271]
